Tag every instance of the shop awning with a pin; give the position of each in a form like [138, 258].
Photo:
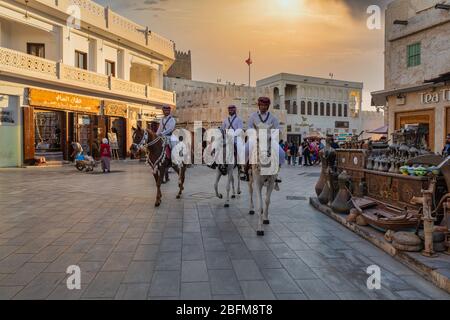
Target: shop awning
[382, 130]
[379, 98]
[445, 77]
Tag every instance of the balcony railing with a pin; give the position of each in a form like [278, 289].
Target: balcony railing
[117, 25]
[30, 67]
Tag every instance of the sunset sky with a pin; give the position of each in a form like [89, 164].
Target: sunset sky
[309, 37]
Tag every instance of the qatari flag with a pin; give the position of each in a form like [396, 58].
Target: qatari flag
[249, 60]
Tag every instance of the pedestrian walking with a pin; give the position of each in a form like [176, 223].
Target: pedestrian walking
[300, 155]
[306, 153]
[289, 153]
[105, 153]
[446, 151]
[294, 151]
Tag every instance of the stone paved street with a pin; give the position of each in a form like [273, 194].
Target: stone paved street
[192, 248]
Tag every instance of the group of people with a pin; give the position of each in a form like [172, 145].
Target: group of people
[306, 153]
[105, 154]
[232, 122]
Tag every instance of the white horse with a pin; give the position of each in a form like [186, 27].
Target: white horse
[227, 170]
[260, 178]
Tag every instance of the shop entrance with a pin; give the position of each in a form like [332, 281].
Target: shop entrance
[423, 120]
[117, 127]
[49, 134]
[89, 130]
[294, 138]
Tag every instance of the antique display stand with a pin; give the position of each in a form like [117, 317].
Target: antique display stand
[398, 188]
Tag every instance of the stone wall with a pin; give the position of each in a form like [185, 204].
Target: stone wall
[427, 25]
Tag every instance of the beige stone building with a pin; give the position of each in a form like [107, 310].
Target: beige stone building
[208, 102]
[64, 79]
[417, 68]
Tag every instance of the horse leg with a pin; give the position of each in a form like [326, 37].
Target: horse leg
[259, 187]
[181, 176]
[216, 184]
[157, 177]
[178, 172]
[270, 188]
[250, 191]
[239, 180]
[231, 179]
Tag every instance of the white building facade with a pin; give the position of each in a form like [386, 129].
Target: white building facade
[72, 70]
[319, 106]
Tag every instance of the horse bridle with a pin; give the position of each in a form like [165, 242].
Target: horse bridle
[146, 145]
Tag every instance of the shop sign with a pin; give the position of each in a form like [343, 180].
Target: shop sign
[435, 97]
[342, 124]
[115, 109]
[7, 113]
[63, 101]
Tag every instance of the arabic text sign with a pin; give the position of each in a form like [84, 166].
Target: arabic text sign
[8, 113]
[63, 101]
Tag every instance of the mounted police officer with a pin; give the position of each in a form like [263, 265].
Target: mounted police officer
[233, 121]
[264, 117]
[167, 126]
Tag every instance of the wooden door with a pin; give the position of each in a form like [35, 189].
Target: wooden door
[28, 134]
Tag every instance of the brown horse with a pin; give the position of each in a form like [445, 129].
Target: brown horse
[155, 148]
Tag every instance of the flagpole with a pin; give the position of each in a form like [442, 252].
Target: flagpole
[249, 70]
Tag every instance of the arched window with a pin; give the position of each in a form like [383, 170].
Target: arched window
[303, 108]
[345, 110]
[328, 110]
[316, 108]
[309, 108]
[340, 110]
[334, 110]
[322, 109]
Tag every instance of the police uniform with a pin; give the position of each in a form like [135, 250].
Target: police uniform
[270, 121]
[232, 123]
[167, 126]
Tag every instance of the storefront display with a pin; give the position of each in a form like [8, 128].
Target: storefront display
[54, 119]
[421, 120]
[48, 131]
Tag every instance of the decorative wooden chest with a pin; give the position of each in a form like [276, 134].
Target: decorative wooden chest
[354, 162]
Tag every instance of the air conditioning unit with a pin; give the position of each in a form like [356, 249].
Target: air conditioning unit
[401, 100]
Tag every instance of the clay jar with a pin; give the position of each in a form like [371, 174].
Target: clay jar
[326, 196]
[341, 203]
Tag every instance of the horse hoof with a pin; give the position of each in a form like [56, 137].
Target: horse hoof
[266, 221]
[226, 205]
[252, 212]
[178, 197]
[239, 192]
[220, 196]
[233, 197]
[260, 233]
[157, 205]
